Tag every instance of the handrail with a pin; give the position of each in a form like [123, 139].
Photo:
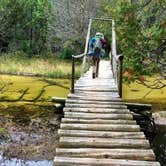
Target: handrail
[78, 56]
[86, 43]
[116, 61]
[83, 55]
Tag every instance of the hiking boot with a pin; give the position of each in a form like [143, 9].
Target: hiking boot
[93, 75]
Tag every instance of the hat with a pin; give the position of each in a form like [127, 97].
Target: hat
[98, 34]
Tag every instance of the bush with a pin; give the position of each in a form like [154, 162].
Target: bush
[71, 47]
[66, 53]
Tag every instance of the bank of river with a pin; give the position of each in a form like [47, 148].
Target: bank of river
[29, 123]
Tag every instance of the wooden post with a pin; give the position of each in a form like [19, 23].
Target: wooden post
[113, 51]
[73, 75]
[86, 46]
[120, 75]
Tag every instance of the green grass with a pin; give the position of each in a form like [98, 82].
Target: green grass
[50, 66]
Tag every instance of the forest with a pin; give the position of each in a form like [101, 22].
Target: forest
[59, 27]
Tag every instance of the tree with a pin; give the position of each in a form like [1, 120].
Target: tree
[141, 32]
[24, 24]
[72, 22]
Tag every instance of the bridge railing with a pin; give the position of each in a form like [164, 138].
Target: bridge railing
[116, 61]
[83, 55]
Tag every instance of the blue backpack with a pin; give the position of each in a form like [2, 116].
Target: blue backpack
[95, 47]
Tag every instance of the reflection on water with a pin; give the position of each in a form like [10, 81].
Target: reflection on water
[16, 162]
[32, 143]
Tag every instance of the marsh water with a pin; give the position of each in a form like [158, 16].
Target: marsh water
[29, 122]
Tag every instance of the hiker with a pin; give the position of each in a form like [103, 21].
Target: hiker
[96, 52]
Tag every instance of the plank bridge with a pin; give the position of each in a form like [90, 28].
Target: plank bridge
[97, 128]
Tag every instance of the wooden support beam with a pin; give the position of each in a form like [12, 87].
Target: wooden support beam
[79, 105]
[101, 153]
[98, 115]
[97, 110]
[86, 142]
[101, 127]
[71, 161]
[97, 121]
[101, 134]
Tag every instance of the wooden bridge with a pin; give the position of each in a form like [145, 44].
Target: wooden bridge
[97, 128]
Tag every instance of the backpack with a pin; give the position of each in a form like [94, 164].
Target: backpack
[97, 47]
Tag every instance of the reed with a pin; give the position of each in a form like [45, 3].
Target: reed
[50, 66]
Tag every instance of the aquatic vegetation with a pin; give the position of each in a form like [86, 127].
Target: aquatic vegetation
[51, 67]
[147, 90]
[31, 89]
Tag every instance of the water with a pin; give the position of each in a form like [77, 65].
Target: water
[28, 128]
[17, 162]
[29, 144]
[159, 146]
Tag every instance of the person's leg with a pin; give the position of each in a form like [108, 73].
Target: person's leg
[97, 66]
[93, 67]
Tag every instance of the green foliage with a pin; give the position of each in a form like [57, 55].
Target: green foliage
[66, 54]
[24, 24]
[46, 65]
[2, 131]
[140, 30]
[70, 47]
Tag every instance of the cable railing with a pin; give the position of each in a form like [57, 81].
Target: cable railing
[116, 60]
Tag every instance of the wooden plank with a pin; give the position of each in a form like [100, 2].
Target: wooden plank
[97, 121]
[71, 161]
[95, 93]
[97, 110]
[96, 83]
[96, 86]
[136, 154]
[95, 98]
[102, 134]
[99, 84]
[70, 101]
[101, 79]
[110, 95]
[101, 127]
[87, 142]
[97, 89]
[98, 94]
[95, 106]
[98, 115]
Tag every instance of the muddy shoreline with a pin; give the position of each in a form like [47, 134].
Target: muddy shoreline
[30, 137]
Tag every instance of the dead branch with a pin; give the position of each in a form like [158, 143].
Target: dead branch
[157, 84]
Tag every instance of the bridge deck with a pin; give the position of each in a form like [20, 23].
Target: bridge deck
[98, 129]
